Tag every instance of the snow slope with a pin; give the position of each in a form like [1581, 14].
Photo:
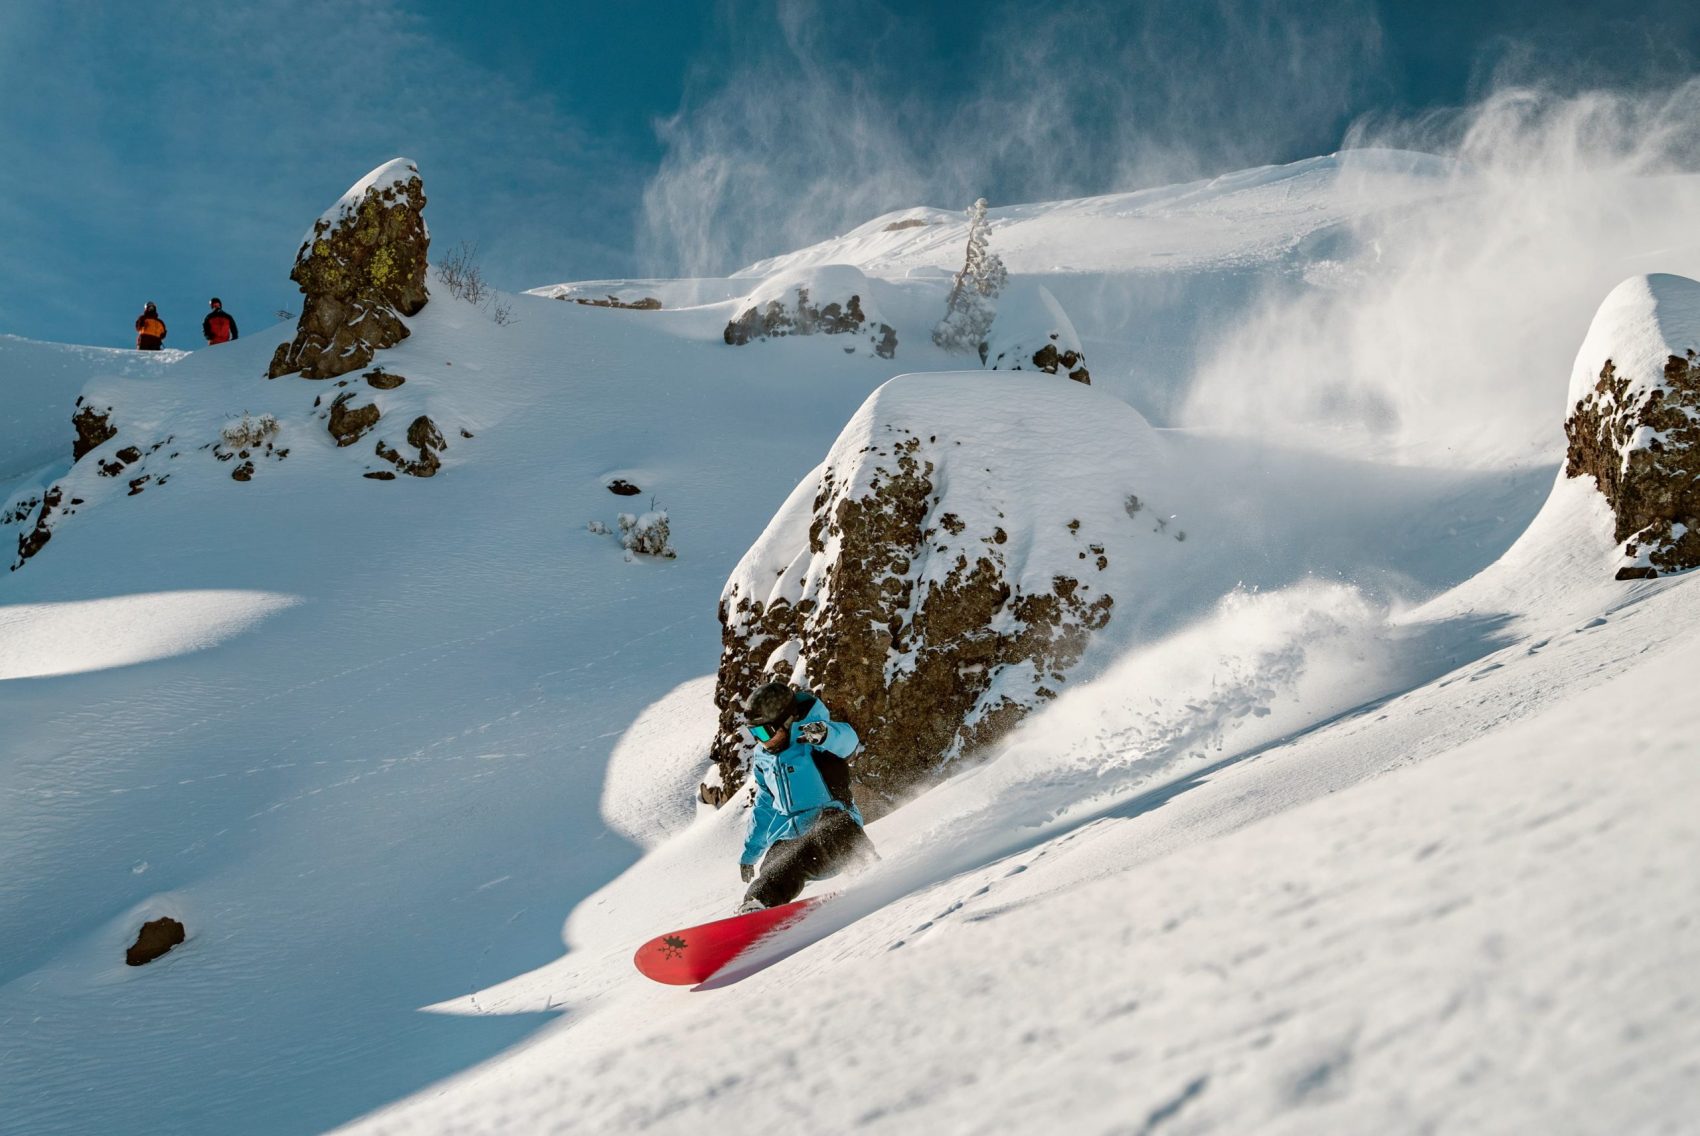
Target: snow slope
[1384, 818]
[43, 379]
[1489, 938]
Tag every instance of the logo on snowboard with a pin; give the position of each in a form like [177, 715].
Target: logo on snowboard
[673, 946]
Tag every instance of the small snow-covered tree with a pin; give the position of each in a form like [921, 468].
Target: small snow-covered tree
[973, 292]
[649, 535]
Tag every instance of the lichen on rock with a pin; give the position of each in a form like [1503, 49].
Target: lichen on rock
[1634, 426]
[361, 269]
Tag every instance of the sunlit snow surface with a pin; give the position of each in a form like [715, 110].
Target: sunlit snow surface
[91, 635]
[1378, 816]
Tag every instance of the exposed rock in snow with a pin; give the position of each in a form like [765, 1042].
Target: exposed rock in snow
[361, 269]
[156, 937]
[941, 573]
[32, 542]
[1033, 333]
[348, 424]
[1635, 424]
[789, 304]
[641, 304]
[94, 429]
[423, 436]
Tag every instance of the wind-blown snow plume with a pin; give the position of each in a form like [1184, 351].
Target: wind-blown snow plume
[1445, 333]
[806, 140]
[1257, 668]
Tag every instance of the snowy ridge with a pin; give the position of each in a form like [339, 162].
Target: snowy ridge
[1246, 216]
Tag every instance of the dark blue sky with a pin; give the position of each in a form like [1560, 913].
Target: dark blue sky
[171, 151]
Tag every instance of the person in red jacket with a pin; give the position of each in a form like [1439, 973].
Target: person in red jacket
[218, 327]
[150, 329]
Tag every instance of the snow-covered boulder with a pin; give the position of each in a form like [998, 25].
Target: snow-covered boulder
[1635, 425]
[833, 299]
[1033, 333]
[94, 428]
[361, 269]
[940, 574]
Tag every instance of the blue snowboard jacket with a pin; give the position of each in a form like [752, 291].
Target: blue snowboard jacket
[791, 794]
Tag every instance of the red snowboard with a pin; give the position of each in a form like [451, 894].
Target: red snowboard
[696, 954]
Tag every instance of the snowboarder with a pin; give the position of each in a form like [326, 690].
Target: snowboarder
[219, 326]
[805, 821]
[150, 329]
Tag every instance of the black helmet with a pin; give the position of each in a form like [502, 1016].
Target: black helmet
[770, 705]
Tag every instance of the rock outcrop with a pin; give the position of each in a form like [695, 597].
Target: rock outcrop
[642, 304]
[1033, 333]
[1634, 426]
[361, 269]
[94, 428]
[427, 440]
[34, 540]
[349, 423]
[790, 305]
[939, 576]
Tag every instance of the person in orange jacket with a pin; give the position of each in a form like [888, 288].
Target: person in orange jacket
[219, 326]
[150, 329]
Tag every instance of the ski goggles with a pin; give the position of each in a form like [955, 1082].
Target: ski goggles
[760, 735]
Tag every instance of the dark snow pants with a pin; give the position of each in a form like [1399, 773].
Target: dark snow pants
[834, 843]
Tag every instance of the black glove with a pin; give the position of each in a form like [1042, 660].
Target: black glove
[746, 872]
[812, 733]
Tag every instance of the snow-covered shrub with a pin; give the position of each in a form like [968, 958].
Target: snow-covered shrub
[646, 535]
[974, 291]
[249, 431]
[596, 528]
